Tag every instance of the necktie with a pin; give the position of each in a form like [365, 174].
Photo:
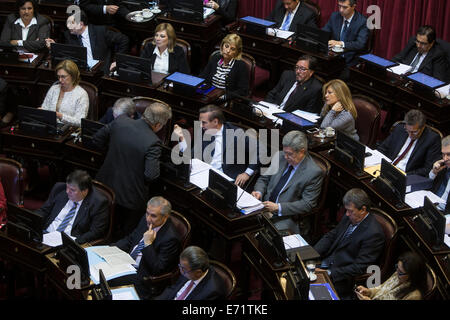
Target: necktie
[404, 153]
[186, 291]
[138, 249]
[348, 232]
[280, 184]
[285, 101]
[443, 185]
[67, 218]
[416, 61]
[80, 41]
[286, 23]
[344, 31]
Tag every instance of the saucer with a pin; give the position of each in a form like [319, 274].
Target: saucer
[312, 277]
[155, 11]
[336, 49]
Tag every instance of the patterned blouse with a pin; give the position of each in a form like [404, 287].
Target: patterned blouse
[220, 78]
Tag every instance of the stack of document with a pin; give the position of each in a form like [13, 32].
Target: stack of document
[444, 91]
[268, 109]
[415, 199]
[294, 241]
[247, 203]
[53, 239]
[283, 34]
[375, 158]
[113, 261]
[207, 12]
[400, 69]
[313, 117]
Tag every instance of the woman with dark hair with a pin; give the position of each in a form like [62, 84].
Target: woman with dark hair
[409, 282]
[26, 28]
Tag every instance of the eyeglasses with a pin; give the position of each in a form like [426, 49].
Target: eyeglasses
[398, 270]
[302, 69]
[61, 76]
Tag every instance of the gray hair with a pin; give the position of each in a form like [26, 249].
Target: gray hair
[415, 116]
[157, 113]
[358, 197]
[446, 141]
[166, 207]
[296, 140]
[124, 106]
[196, 257]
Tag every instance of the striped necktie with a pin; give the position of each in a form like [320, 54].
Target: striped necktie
[138, 249]
[183, 295]
[344, 31]
[67, 218]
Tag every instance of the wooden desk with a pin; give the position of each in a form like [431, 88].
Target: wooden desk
[322, 277]
[77, 156]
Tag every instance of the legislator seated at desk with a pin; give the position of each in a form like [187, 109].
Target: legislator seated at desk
[289, 13]
[348, 29]
[440, 173]
[124, 107]
[198, 279]
[226, 70]
[227, 9]
[355, 243]
[298, 88]
[26, 29]
[413, 147]
[131, 162]
[293, 183]
[339, 111]
[67, 98]
[154, 245]
[165, 55]
[104, 12]
[99, 40]
[424, 54]
[76, 208]
[213, 124]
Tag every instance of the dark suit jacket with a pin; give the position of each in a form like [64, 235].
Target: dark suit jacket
[92, 219]
[36, 35]
[210, 288]
[352, 256]
[227, 9]
[159, 257]
[103, 43]
[109, 117]
[425, 153]
[94, 11]
[302, 191]
[304, 15]
[130, 164]
[307, 97]
[237, 81]
[357, 34]
[434, 64]
[437, 183]
[177, 58]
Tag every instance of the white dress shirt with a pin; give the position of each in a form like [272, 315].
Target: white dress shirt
[196, 282]
[292, 16]
[402, 163]
[161, 64]
[62, 214]
[139, 256]
[424, 55]
[24, 29]
[87, 43]
[287, 96]
[343, 25]
[441, 206]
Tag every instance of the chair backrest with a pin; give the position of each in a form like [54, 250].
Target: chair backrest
[11, 175]
[431, 284]
[227, 276]
[325, 166]
[51, 25]
[142, 103]
[315, 8]
[371, 40]
[390, 230]
[182, 226]
[111, 196]
[92, 92]
[401, 122]
[180, 42]
[368, 120]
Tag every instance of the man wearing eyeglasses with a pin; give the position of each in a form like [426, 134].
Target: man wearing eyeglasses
[297, 88]
[289, 13]
[424, 54]
[412, 147]
[440, 174]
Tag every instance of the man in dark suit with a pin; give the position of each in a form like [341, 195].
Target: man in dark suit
[215, 130]
[412, 147]
[104, 12]
[292, 184]
[298, 89]
[76, 208]
[154, 244]
[123, 107]
[131, 162]
[440, 173]
[355, 243]
[289, 13]
[99, 41]
[198, 280]
[348, 29]
[424, 54]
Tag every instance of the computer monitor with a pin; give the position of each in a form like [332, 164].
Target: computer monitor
[425, 85]
[169, 169]
[392, 182]
[88, 130]
[60, 52]
[184, 83]
[434, 223]
[294, 122]
[102, 291]
[135, 5]
[8, 53]
[271, 240]
[186, 10]
[25, 224]
[350, 152]
[37, 121]
[297, 281]
[134, 69]
[71, 254]
[376, 65]
[312, 39]
[222, 191]
[257, 26]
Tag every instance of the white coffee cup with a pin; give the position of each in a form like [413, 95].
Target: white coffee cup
[329, 132]
[338, 48]
[146, 13]
[138, 17]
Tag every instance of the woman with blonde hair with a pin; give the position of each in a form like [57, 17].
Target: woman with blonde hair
[66, 97]
[165, 55]
[225, 69]
[339, 111]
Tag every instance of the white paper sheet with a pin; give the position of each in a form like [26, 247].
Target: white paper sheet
[400, 69]
[375, 158]
[313, 117]
[294, 241]
[52, 239]
[416, 199]
[283, 34]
